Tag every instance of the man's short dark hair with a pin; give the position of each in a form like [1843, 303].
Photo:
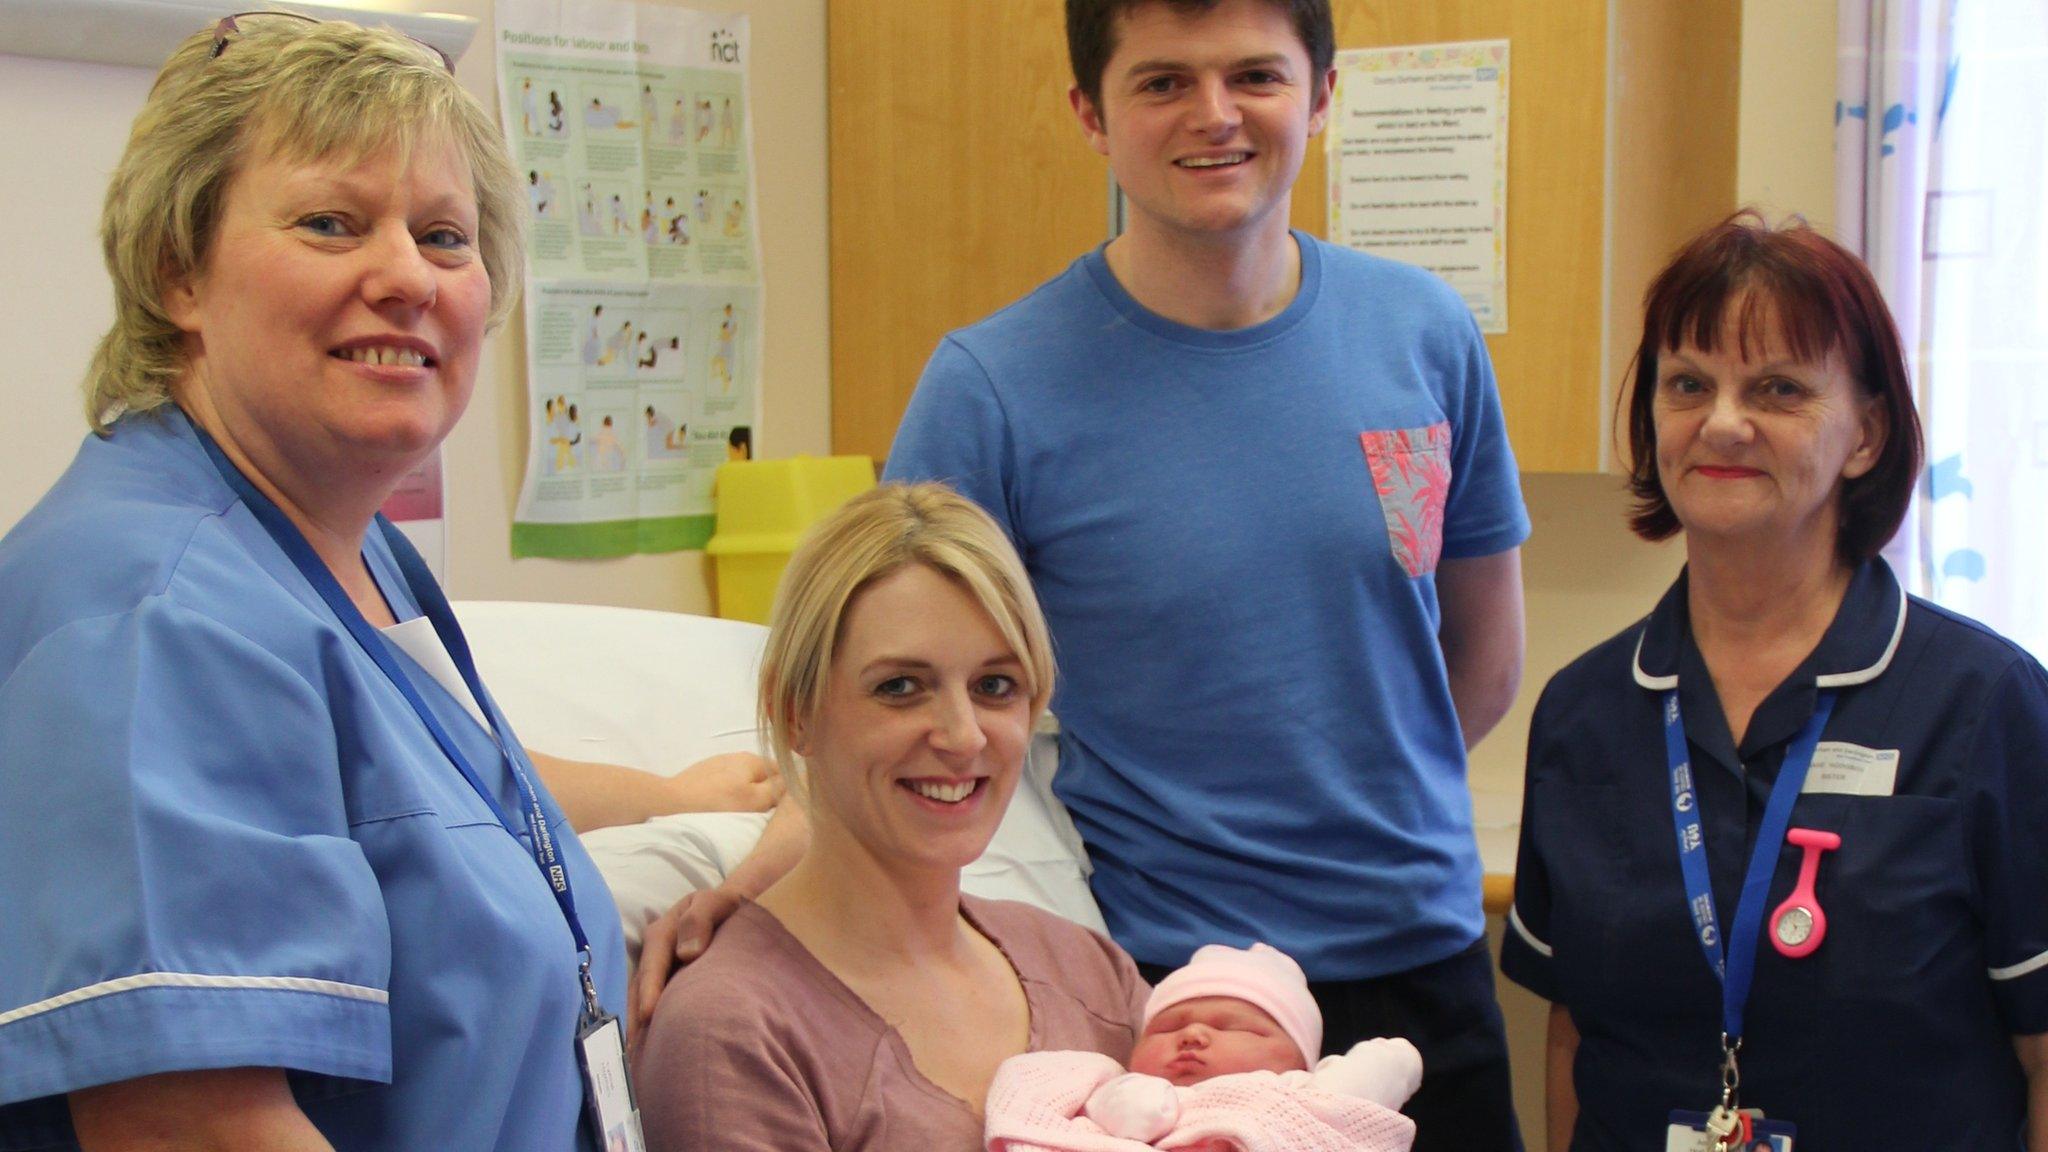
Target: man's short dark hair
[1091, 34]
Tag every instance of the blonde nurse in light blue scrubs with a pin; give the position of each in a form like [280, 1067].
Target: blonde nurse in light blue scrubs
[269, 882]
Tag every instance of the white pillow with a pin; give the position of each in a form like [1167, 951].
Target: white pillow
[650, 866]
[655, 691]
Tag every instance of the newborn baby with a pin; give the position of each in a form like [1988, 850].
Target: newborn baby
[1224, 1062]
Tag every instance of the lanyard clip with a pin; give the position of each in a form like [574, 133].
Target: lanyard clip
[592, 1010]
[1731, 1072]
[1724, 1124]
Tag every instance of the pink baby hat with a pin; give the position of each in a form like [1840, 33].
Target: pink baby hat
[1262, 976]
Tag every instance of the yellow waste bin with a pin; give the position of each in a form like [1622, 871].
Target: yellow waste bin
[763, 507]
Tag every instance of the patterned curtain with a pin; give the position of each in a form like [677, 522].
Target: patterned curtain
[1941, 161]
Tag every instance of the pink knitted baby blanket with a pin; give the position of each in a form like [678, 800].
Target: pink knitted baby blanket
[1035, 1103]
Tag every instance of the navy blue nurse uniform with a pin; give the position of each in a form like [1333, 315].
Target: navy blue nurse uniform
[226, 840]
[1897, 1031]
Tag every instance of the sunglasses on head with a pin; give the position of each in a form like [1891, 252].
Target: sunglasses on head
[230, 25]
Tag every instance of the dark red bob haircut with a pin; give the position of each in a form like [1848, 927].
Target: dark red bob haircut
[1814, 297]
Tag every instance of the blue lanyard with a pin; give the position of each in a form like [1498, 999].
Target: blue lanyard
[434, 605]
[1739, 965]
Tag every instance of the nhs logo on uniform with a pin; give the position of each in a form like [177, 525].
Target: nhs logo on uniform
[725, 47]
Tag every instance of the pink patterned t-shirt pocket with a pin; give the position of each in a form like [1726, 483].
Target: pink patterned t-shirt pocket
[1411, 470]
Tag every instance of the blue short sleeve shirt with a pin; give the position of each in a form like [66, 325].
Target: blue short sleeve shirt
[229, 841]
[1235, 536]
[1933, 769]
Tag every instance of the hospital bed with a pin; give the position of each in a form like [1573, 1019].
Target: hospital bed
[658, 691]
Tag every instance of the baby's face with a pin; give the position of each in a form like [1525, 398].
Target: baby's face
[1213, 1036]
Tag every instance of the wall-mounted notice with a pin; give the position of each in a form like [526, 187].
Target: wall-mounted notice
[631, 129]
[1418, 163]
[419, 508]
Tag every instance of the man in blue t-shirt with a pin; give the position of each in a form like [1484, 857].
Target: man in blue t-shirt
[1265, 493]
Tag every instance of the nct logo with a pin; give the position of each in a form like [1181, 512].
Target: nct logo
[725, 47]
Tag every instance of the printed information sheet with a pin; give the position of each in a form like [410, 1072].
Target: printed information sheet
[1418, 163]
[631, 130]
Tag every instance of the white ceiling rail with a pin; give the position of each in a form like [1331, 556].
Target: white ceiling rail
[142, 33]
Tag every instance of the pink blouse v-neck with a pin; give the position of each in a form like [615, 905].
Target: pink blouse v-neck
[756, 1047]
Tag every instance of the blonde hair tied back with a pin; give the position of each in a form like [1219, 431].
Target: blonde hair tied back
[869, 537]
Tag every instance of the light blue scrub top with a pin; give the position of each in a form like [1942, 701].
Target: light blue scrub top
[226, 840]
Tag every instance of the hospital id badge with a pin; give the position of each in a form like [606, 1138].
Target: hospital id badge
[607, 1090]
[1688, 1133]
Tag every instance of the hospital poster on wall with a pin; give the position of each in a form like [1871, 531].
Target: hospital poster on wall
[631, 128]
[1418, 164]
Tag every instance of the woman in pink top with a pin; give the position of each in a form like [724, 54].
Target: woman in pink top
[863, 1002]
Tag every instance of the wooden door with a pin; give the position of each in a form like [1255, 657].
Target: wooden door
[960, 181]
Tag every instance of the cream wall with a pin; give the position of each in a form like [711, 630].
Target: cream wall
[1785, 155]
[70, 122]
[69, 125]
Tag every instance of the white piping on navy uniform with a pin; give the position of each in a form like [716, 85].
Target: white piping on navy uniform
[1654, 683]
[1528, 937]
[1845, 679]
[197, 980]
[1831, 680]
[2020, 969]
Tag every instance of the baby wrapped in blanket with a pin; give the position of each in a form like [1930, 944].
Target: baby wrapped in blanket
[1227, 1061]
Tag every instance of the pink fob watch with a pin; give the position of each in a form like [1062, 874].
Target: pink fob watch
[1798, 925]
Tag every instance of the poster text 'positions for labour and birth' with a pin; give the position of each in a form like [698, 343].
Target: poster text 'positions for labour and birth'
[632, 131]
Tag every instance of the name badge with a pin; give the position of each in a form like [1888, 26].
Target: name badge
[1688, 1133]
[1852, 770]
[607, 1090]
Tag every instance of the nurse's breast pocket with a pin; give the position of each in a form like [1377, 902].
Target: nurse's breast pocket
[1411, 471]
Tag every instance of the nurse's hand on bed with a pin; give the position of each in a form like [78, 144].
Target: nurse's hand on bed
[608, 795]
[730, 782]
